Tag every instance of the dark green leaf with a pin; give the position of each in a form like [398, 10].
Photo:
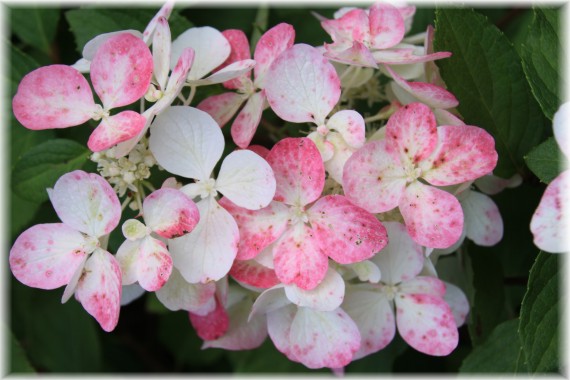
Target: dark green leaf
[545, 160]
[486, 75]
[496, 355]
[153, 305]
[20, 65]
[22, 213]
[35, 26]
[19, 362]
[540, 55]
[41, 166]
[539, 318]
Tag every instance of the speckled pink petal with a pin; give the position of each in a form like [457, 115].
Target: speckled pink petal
[298, 169]
[116, 129]
[55, 96]
[246, 179]
[353, 25]
[246, 122]
[233, 71]
[412, 131]
[240, 50]
[464, 153]
[221, 107]
[211, 48]
[279, 323]
[86, 202]
[426, 323]
[299, 259]
[323, 338]
[99, 289]
[272, 43]
[429, 94]
[242, 334]
[386, 26]
[304, 86]
[402, 259]
[355, 55]
[170, 213]
[121, 70]
[207, 253]
[259, 228]
[457, 301]
[91, 47]
[187, 142]
[327, 296]
[165, 12]
[374, 316]
[423, 285]
[161, 42]
[46, 256]
[550, 222]
[177, 294]
[213, 325]
[154, 264]
[350, 125]
[252, 273]
[483, 221]
[373, 177]
[404, 56]
[433, 217]
[346, 233]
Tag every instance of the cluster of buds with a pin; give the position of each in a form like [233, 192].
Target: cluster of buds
[327, 244]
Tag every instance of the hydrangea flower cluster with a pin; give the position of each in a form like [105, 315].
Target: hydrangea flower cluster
[325, 243]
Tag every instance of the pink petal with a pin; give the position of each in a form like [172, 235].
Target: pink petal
[121, 70]
[177, 294]
[170, 213]
[55, 96]
[299, 259]
[116, 129]
[323, 338]
[46, 256]
[186, 142]
[412, 131]
[270, 45]
[346, 232]
[254, 274]
[402, 259]
[352, 26]
[221, 107]
[483, 221]
[210, 46]
[560, 123]
[165, 12]
[550, 221]
[374, 316]
[154, 264]
[299, 171]
[242, 334]
[423, 285]
[260, 150]
[429, 94]
[213, 325]
[245, 124]
[355, 55]
[433, 217]
[91, 47]
[240, 51]
[373, 177]
[235, 70]
[404, 56]
[86, 202]
[386, 26]
[161, 52]
[99, 289]
[246, 179]
[304, 86]
[350, 125]
[207, 253]
[426, 323]
[464, 153]
[457, 301]
[327, 296]
[259, 228]
[279, 323]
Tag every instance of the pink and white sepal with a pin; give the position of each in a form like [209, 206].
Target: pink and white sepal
[188, 142]
[48, 256]
[58, 96]
[168, 213]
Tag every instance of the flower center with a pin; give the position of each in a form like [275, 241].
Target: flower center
[413, 173]
[91, 244]
[100, 113]
[297, 214]
[390, 291]
[207, 188]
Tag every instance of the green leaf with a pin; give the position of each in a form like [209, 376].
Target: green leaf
[20, 65]
[539, 320]
[87, 23]
[19, 362]
[486, 75]
[499, 354]
[153, 305]
[35, 26]
[42, 165]
[545, 160]
[540, 56]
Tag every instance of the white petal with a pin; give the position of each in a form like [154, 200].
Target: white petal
[127, 256]
[232, 71]
[350, 125]
[161, 52]
[93, 44]
[457, 301]
[247, 180]
[279, 326]
[131, 293]
[327, 296]
[483, 221]
[561, 128]
[270, 300]
[187, 142]
[366, 271]
[177, 294]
